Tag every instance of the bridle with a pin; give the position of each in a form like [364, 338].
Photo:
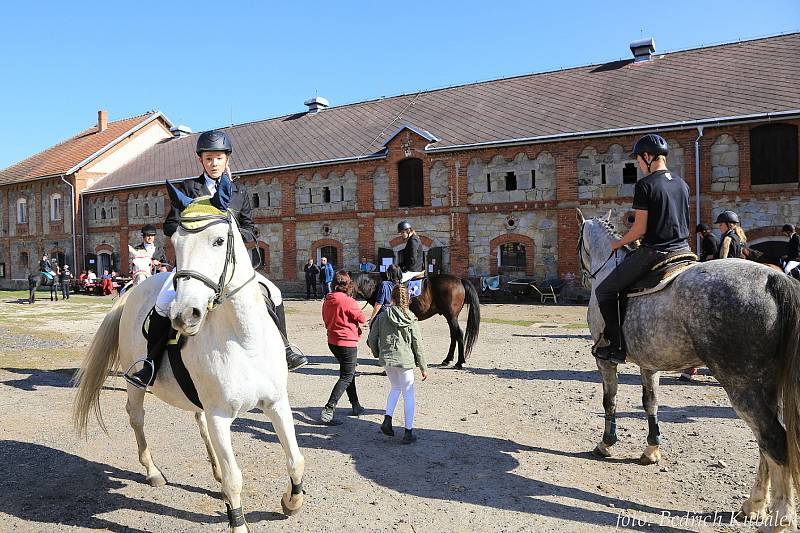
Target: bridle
[230, 259]
[586, 271]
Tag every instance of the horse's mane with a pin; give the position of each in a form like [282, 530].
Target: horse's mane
[607, 225]
[366, 283]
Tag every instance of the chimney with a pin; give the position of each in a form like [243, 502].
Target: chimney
[316, 104]
[180, 131]
[643, 50]
[102, 120]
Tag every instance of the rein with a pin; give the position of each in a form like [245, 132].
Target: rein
[219, 286]
[586, 272]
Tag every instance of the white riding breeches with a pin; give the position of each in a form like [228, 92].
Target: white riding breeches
[790, 265]
[402, 381]
[410, 275]
[167, 293]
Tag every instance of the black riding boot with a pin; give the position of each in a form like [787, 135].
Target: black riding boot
[615, 350]
[157, 336]
[294, 360]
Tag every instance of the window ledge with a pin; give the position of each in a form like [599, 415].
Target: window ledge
[775, 187]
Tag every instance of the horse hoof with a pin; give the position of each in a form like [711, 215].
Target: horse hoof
[602, 450]
[157, 481]
[651, 456]
[289, 507]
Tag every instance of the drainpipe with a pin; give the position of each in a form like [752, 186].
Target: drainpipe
[73, 199]
[83, 235]
[697, 180]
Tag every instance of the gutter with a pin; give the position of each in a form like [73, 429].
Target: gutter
[706, 122]
[73, 199]
[697, 184]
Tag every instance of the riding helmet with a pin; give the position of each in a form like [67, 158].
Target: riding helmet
[728, 217]
[214, 141]
[404, 225]
[149, 229]
[651, 143]
[788, 228]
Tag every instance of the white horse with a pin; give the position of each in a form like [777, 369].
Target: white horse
[141, 260]
[233, 352]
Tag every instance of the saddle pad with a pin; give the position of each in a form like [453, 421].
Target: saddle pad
[664, 280]
[414, 287]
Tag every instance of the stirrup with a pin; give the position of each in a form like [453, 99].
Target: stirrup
[128, 377]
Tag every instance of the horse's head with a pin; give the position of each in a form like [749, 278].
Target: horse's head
[365, 284]
[594, 245]
[212, 263]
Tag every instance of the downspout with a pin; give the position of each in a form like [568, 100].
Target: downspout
[83, 236]
[73, 199]
[697, 182]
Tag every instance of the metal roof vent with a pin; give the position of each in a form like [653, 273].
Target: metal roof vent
[180, 131]
[316, 104]
[643, 49]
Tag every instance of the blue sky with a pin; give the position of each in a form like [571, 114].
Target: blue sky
[208, 64]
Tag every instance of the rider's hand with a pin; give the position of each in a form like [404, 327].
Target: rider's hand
[616, 244]
[424, 376]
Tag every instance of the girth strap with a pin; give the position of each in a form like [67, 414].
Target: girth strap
[180, 371]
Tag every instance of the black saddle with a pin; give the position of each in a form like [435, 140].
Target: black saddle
[662, 273]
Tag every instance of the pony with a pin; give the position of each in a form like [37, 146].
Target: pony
[141, 260]
[233, 352]
[739, 318]
[37, 280]
[442, 294]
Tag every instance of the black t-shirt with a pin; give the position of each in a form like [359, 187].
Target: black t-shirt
[794, 247]
[710, 246]
[665, 197]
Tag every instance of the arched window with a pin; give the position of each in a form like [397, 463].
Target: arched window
[773, 154]
[410, 186]
[511, 255]
[55, 206]
[22, 211]
[331, 253]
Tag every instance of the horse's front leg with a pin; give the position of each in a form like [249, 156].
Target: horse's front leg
[652, 454]
[280, 414]
[200, 418]
[220, 432]
[608, 371]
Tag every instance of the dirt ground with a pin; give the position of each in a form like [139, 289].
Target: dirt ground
[504, 445]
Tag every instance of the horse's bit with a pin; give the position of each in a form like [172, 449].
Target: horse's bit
[219, 286]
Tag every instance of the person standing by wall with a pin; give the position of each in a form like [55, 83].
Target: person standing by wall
[325, 276]
[312, 273]
[366, 266]
[64, 279]
[342, 317]
[395, 340]
[710, 244]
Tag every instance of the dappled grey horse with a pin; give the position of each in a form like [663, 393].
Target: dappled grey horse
[738, 318]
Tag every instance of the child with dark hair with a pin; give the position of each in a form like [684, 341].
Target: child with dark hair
[384, 299]
[395, 340]
[342, 317]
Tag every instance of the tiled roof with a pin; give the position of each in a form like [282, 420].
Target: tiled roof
[64, 156]
[732, 80]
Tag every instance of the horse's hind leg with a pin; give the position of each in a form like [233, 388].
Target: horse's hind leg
[783, 501]
[280, 414]
[610, 382]
[200, 418]
[651, 454]
[135, 408]
[753, 507]
[220, 433]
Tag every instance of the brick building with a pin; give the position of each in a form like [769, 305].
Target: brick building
[490, 173]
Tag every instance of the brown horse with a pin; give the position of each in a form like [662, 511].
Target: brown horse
[442, 294]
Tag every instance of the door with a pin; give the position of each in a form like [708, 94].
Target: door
[386, 253]
[90, 261]
[433, 260]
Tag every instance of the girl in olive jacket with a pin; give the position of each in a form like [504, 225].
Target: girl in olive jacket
[395, 340]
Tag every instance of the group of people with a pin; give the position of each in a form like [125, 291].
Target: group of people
[324, 273]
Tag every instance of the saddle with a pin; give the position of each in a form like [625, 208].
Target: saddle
[662, 274]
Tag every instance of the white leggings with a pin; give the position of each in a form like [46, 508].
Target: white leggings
[402, 380]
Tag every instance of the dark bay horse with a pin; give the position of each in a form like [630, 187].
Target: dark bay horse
[442, 294]
[741, 320]
[37, 280]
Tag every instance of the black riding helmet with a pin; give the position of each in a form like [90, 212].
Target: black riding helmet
[404, 225]
[728, 217]
[214, 141]
[651, 143]
[149, 229]
[788, 228]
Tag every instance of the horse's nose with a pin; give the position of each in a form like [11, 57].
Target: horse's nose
[190, 316]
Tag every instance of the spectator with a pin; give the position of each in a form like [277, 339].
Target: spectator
[91, 277]
[366, 266]
[64, 278]
[312, 273]
[710, 246]
[395, 340]
[106, 283]
[342, 318]
[325, 276]
[792, 257]
[384, 298]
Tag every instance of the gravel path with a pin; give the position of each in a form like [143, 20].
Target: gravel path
[503, 445]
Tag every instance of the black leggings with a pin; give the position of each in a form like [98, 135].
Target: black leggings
[348, 360]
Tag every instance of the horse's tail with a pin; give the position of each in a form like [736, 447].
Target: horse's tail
[100, 360]
[474, 316]
[786, 292]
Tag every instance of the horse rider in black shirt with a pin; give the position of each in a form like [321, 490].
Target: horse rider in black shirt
[413, 263]
[661, 206]
[710, 245]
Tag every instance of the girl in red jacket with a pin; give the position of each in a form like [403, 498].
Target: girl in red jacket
[342, 318]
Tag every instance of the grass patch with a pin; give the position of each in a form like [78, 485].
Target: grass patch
[525, 323]
[577, 325]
